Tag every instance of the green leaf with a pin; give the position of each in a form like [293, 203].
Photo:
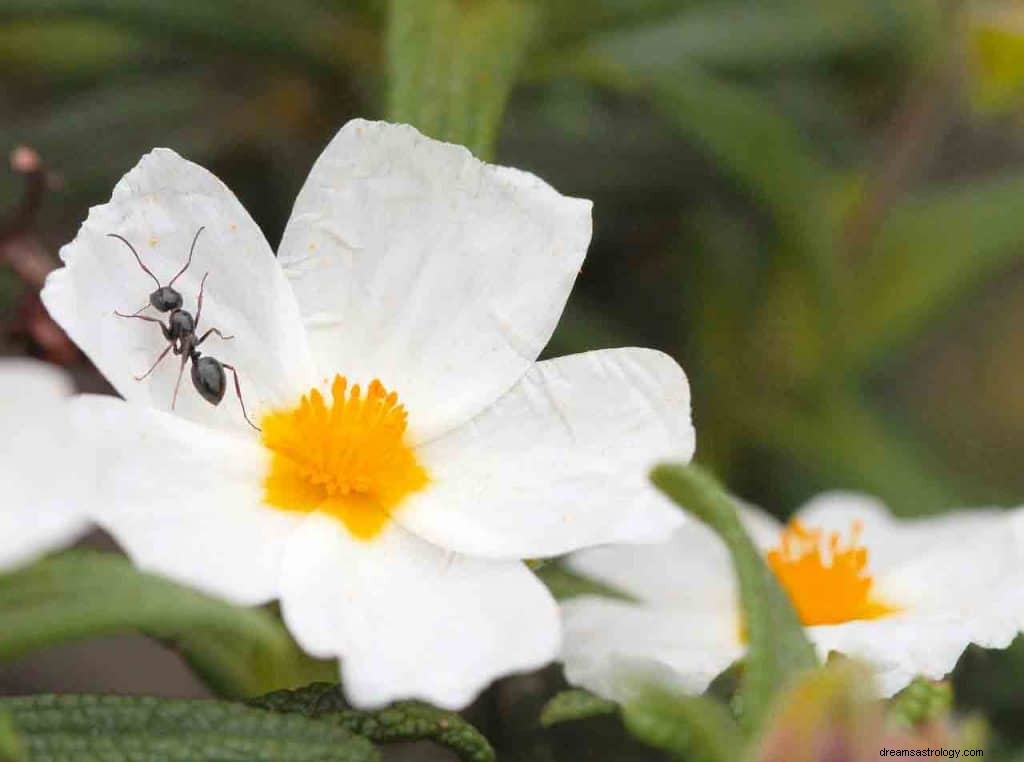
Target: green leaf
[929, 251]
[690, 728]
[846, 442]
[575, 704]
[403, 721]
[82, 594]
[452, 64]
[295, 32]
[748, 36]
[564, 583]
[115, 729]
[778, 648]
[10, 747]
[921, 702]
[763, 152]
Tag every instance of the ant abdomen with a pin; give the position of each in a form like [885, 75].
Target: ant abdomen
[208, 378]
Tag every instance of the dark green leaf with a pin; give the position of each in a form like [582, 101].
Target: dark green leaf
[116, 729]
[690, 728]
[295, 32]
[846, 442]
[778, 648]
[238, 651]
[575, 704]
[452, 64]
[403, 721]
[929, 251]
[750, 35]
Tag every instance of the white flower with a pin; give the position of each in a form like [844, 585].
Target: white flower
[907, 597]
[45, 470]
[389, 515]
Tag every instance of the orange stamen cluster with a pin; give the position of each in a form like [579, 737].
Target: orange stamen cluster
[826, 579]
[347, 458]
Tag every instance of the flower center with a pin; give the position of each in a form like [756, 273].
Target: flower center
[826, 579]
[347, 458]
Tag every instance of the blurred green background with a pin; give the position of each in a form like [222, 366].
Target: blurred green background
[817, 207]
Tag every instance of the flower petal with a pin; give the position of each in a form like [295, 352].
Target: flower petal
[417, 264]
[158, 207]
[44, 469]
[606, 643]
[897, 648]
[409, 620]
[691, 570]
[561, 461]
[185, 501]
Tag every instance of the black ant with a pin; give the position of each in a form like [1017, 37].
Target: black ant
[208, 375]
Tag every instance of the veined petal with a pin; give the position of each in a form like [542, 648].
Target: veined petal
[185, 501]
[45, 470]
[409, 620]
[415, 263]
[158, 208]
[608, 642]
[561, 461]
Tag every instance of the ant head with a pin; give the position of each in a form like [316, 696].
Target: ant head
[165, 299]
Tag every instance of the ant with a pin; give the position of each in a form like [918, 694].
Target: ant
[208, 375]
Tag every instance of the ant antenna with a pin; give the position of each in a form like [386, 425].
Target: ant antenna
[191, 251]
[137, 257]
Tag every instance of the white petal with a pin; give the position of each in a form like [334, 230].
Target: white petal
[607, 643]
[45, 472]
[953, 578]
[561, 461]
[410, 621]
[692, 570]
[417, 264]
[158, 207]
[897, 648]
[185, 501]
[965, 577]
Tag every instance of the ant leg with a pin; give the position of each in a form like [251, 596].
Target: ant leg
[238, 392]
[202, 338]
[177, 384]
[159, 360]
[137, 316]
[166, 329]
[141, 309]
[191, 251]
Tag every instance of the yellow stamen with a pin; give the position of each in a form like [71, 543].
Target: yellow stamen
[348, 458]
[827, 580]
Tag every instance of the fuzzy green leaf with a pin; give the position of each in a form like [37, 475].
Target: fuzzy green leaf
[403, 721]
[690, 728]
[921, 702]
[116, 729]
[82, 594]
[778, 649]
[452, 64]
[575, 704]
